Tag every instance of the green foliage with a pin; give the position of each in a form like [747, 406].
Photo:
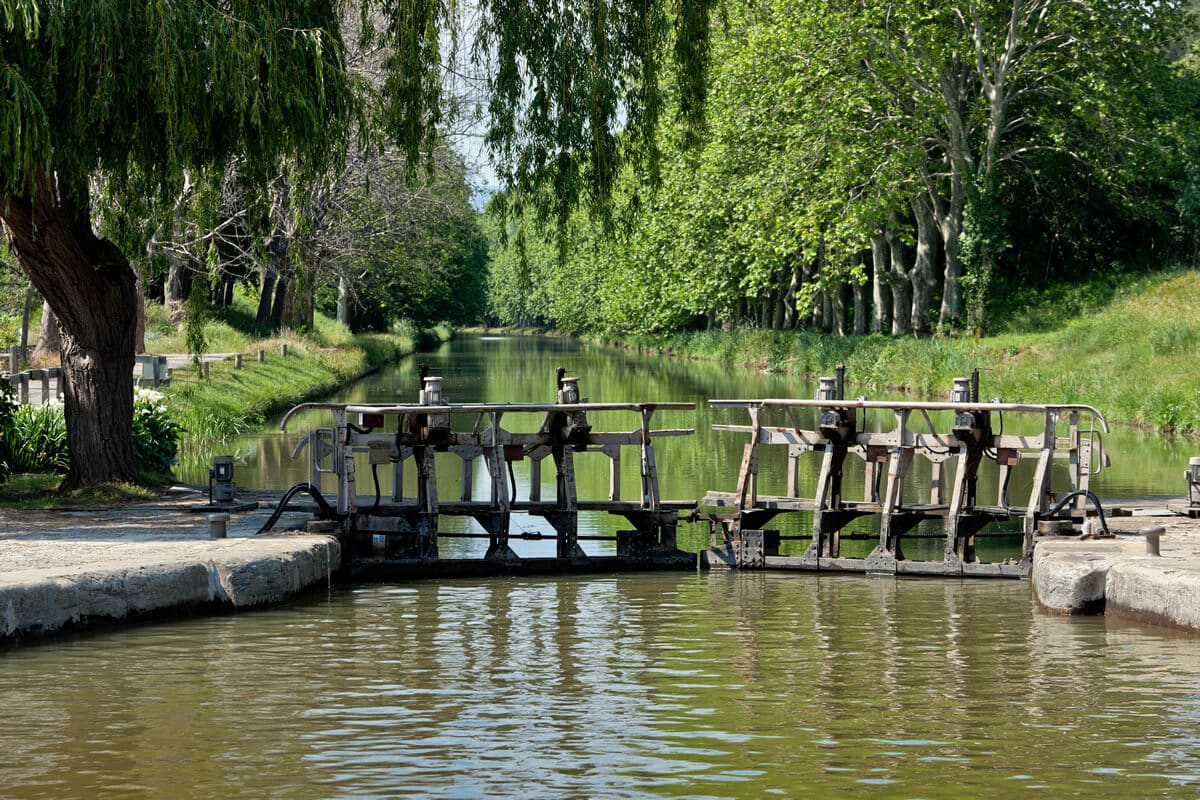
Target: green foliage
[195, 320]
[7, 412]
[825, 119]
[563, 81]
[417, 248]
[981, 243]
[1105, 345]
[36, 437]
[155, 434]
[39, 439]
[233, 401]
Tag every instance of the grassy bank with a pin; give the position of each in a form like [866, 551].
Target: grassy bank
[1129, 347]
[40, 490]
[232, 401]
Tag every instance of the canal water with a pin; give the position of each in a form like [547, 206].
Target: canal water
[663, 685]
[522, 370]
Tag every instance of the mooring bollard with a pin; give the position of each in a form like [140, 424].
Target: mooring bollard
[262, 356]
[1152, 533]
[216, 525]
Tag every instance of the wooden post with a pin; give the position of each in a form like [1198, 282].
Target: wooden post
[1039, 493]
[262, 356]
[20, 382]
[893, 495]
[43, 379]
[283, 350]
[237, 361]
[614, 472]
[204, 369]
[650, 498]
[535, 479]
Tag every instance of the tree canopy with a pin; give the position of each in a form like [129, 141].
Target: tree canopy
[935, 152]
[105, 105]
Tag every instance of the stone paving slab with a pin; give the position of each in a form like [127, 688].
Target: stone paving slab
[74, 567]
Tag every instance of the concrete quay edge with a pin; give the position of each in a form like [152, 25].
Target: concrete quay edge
[1116, 576]
[186, 575]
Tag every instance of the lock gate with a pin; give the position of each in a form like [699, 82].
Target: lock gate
[399, 437]
[737, 534]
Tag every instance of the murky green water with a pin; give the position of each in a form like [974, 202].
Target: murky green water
[522, 369]
[645, 685]
[680, 685]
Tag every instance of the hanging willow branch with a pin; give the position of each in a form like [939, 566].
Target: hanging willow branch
[567, 79]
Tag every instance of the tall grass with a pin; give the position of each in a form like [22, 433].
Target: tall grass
[38, 440]
[1129, 348]
[233, 401]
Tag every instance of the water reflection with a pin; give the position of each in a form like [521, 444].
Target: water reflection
[521, 369]
[664, 685]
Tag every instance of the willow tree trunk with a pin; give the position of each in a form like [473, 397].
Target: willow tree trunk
[92, 289]
[26, 313]
[266, 293]
[175, 288]
[281, 311]
[49, 344]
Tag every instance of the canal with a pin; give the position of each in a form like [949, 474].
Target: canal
[672, 685]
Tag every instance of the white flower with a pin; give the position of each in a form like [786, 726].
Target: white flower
[148, 396]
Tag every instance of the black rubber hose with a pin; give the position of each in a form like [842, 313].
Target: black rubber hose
[1085, 493]
[327, 511]
[1004, 488]
[350, 426]
[375, 478]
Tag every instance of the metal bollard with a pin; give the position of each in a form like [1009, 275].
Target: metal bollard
[216, 525]
[1152, 533]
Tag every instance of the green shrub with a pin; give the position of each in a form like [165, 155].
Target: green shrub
[39, 440]
[155, 434]
[7, 409]
[33, 439]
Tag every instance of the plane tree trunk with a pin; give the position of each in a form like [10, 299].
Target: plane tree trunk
[923, 274]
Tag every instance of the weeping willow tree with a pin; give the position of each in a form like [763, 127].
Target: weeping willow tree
[104, 102]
